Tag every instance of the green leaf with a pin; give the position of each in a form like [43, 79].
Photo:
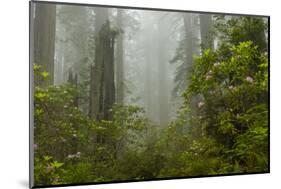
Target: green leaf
[56, 164]
[36, 67]
[47, 158]
[44, 74]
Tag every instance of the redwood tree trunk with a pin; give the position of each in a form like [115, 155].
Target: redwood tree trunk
[120, 60]
[102, 86]
[44, 38]
[96, 92]
[163, 61]
[205, 31]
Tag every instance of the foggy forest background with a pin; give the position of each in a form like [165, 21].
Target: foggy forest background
[126, 94]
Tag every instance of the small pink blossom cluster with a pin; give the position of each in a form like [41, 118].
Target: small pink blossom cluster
[35, 146]
[77, 155]
[216, 64]
[232, 88]
[209, 75]
[74, 134]
[249, 79]
[200, 104]
[49, 168]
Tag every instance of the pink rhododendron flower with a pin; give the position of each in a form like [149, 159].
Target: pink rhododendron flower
[200, 104]
[249, 79]
[216, 64]
[70, 156]
[78, 154]
[208, 77]
[35, 146]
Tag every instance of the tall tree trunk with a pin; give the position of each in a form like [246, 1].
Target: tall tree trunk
[60, 56]
[96, 71]
[148, 92]
[73, 80]
[190, 49]
[109, 85]
[120, 59]
[163, 92]
[80, 38]
[44, 38]
[102, 87]
[189, 41]
[205, 31]
[102, 16]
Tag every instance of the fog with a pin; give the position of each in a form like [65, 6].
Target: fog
[150, 40]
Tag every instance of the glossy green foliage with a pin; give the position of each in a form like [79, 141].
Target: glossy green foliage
[233, 105]
[48, 171]
[221, 127]
[91, 151]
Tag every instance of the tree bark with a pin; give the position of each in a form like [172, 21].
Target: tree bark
[205, 31]
[187, 20]
[148, 92]
[109, 85]
[96, 70]
[163, 92]
[44, 38]
[102, 87]
[73, 80]
[120, 59]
